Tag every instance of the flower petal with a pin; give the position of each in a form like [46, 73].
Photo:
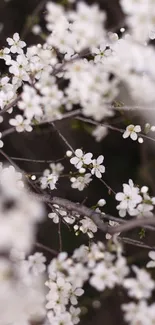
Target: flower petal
[152, 255]
[137, 128]
[133, 136]
[100, 159]
[79, 153]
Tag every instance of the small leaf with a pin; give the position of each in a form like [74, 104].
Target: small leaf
[142, 233]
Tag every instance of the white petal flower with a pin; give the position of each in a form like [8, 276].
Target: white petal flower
[81, 182]
[80, 158]
[21, 124]
[48, 179]
[128, 199]
[36, 263]
[131, 131]
[140, 287]
[16, 44]
[98, 169]
[57, 168]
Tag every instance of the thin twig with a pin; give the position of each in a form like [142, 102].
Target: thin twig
[87, 120]
[63, 117]
[8, 132]
[90, 121]
[135, 243]
[62, 137]
[60, 235]
[37, 160]
[47, 249]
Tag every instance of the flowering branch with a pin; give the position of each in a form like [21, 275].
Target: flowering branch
[97, 218]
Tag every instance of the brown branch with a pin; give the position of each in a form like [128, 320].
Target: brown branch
[97, 218]
[134, 223]
[82, 210]
[62, 118]
[90, 121]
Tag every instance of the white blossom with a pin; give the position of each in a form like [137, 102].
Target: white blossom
[100, 133]
[87, 226]
[140, 287]
[81, 159]
[60, 213]
[30, 103]
[103, 277]
[21, 124]
[16, 44]
[128, 199]
[57, 168]
[98, 168]
[48, 179]
[35, 263]
[131, 131]
[81, 182]
[142, 210]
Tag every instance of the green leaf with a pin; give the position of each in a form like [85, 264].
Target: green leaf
[142, 233]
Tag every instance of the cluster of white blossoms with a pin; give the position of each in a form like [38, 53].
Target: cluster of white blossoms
[140, 287]
[18, 217]
[67, 276]
[80, 224]
[18, 214]
[135, 201]
[60, 214]
[86, 226]
[140, 18]
[74, 31]
[140, 313]
[51, 176]
[80, 67]
[82, 162]
[103, 270]
[95, 88]
[107, 61]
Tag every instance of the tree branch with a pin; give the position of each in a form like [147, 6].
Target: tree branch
[97, 218]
